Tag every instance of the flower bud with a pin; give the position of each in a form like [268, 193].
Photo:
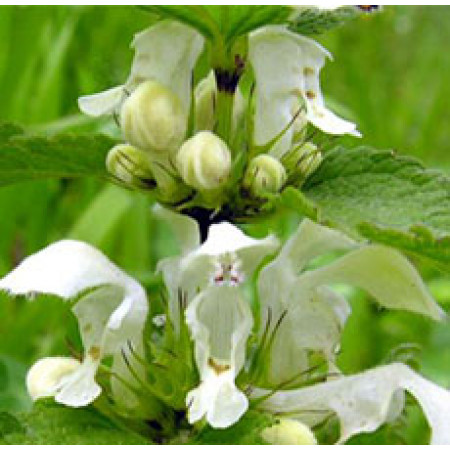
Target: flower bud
[45, 375]
[265, 174]
[204, 161]
[289, 432]
[130, 165]
[152, 118]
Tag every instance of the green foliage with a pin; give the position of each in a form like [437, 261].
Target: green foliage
[316, 21]
[13, 395]
[222, 22]
[49, 423]
[246, 432]
[24, 157]
[241, 19]
[385, 197]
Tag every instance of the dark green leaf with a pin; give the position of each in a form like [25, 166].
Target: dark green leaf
[385, 197]
[246, 432]
[49, 423]
[24, 157]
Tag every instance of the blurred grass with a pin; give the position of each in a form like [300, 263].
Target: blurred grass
[390, 75]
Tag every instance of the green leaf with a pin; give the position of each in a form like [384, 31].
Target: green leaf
[102, 216]
[229, 22]
[294, 199]
[49, 423]
[24, 157]
[237, 20]
[311, 21]
[13, 394]
[246, 432]
[195, 16]
[386, 198]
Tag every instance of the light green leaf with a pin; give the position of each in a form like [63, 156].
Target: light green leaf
[316, 21]
[24, 157]
[49, 423]
[246, 432]
[385, 197]
[102, 216]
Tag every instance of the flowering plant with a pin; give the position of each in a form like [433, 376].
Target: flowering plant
[246, 347]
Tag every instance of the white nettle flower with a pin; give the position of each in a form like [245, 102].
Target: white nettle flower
[166, 53]
[219, 319]
[111, 314]
[314, 314]
[365, 401]
[220, 322]
[287, 68]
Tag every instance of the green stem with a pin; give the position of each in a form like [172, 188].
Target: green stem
[224, 115]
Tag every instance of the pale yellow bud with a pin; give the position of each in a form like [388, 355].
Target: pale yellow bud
[152, 118]
[204, 161]
[289, 432]
[45, 375]
[265, 174]
[130, 165]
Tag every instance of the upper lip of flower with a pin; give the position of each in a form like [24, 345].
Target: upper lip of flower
[286, 67]
[181, 46]
[111, 309]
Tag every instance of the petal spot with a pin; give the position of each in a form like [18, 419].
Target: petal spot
[218, 368]
[94, 352]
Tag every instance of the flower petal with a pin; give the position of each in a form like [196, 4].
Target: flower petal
[381, 271]
[105, 102]
[316, 112]
[109, 316]
[227, 239]
[287, 66]
[276, 60]
[220, 323]
[363, 402]
[185, 229]
[167, 52]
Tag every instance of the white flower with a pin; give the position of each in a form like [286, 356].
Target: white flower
[111, 310]
[312, 314]
[220, 322]
[287, 67]
[219, 319]
[365, 401]
[166, 53]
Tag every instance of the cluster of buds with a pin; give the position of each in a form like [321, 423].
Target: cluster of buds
[217, 143]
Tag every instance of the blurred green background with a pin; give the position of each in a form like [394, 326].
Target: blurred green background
[390, 75]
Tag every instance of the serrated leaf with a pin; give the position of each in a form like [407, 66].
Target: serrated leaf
[49, 423]
[311, 21]
[24, 157]
[245, 432]
[385, 197]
